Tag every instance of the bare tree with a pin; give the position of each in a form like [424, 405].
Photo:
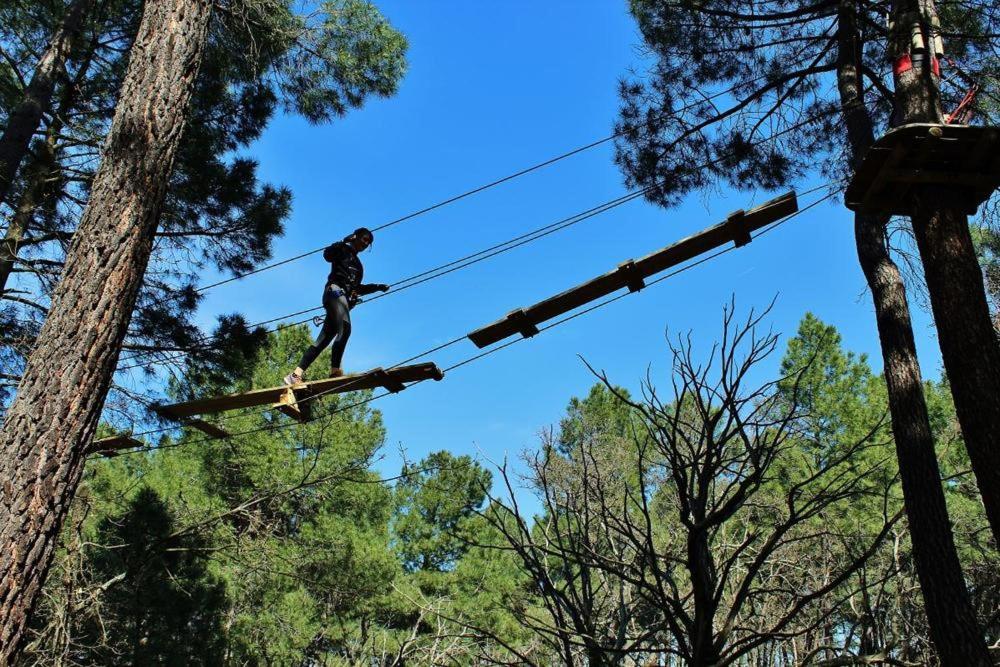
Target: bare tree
[814, 74]
[695, 538]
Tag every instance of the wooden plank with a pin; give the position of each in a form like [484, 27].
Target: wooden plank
[109, 447]
[878, 183]
[741, 235]
[736, 228]
[207, 427]
[275, 395]
[519, 320]
[630, 276]
[388, 382]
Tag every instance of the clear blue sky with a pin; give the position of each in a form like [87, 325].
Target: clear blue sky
[493, 87]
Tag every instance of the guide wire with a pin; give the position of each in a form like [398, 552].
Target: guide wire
[493, 350]
[480, 188]
[487, 253]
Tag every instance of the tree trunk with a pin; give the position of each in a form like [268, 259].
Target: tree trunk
[39, 174]
[59, 400]
[36, 177]
[25, 118]
[968, 341]
[701, 567]
[954, 628]
[951, 618]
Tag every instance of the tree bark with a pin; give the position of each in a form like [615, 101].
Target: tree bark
[968, 341]
[59, 401]
[953, 626]
[25, 118]
[952, 621]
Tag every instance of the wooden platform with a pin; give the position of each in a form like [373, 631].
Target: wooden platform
[288, 399]
[963, 157]
[737, 228]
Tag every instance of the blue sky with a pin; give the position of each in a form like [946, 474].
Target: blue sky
[493, 87]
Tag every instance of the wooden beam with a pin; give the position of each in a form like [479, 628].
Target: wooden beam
[278, 395]
[939, 177]
[741, 235]
[521, 323]
[207, 427]
[737, 228]
[632, 279]
[388, 382]
[881, 177]
[109, 447]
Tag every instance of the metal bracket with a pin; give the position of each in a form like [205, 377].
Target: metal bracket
[520, 320]
[633, 280]
[741, 235]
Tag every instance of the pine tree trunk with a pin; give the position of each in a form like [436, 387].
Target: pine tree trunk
[955, 282]
[18, 224]
[952, 621]
[36, 176]
[966, 335]
[954, 628]
[25, 118]
[59, 400]
[41, 171]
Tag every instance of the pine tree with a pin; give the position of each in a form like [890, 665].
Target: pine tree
[55, 414]
[772, 64]
[954, 279]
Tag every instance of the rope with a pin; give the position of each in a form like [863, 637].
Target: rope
[438, 271]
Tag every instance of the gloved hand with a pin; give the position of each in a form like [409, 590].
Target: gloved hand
[382, 287]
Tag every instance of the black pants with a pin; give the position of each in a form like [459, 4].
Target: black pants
[336, 328]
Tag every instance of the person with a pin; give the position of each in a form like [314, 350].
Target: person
[342, 291]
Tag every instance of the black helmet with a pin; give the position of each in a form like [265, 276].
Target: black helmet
[363, 231]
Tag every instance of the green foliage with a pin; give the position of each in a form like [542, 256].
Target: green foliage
[285, 547]
[747, 95]
[317, 59]
[987, 240]
[599, 415]
[437, 503]
[349, 53]
[168, 607]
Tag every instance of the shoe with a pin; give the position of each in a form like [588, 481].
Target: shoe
[292, 379]
[336, 372]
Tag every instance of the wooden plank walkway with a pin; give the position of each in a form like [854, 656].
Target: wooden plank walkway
[631, 274]
[963, 157]
[286, 398]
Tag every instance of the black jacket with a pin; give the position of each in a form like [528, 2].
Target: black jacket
[346, 271]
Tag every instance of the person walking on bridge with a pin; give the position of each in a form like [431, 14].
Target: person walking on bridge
[342, 291]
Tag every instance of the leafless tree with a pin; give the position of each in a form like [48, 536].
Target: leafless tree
[712, 535]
